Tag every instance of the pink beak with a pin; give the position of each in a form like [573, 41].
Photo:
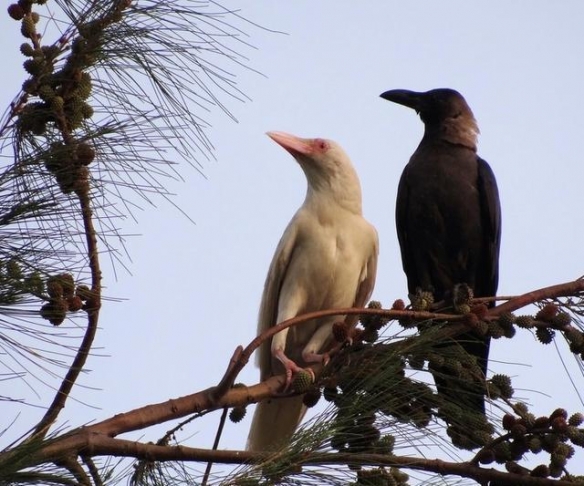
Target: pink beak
[292, 144]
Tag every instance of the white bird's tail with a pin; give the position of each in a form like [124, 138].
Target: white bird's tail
[274, 422]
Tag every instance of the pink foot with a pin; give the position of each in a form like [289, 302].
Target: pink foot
[290, 366]
[311, 357]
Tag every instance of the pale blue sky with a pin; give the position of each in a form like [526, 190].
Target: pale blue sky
[195, 289]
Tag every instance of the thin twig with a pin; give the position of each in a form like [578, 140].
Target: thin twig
[71, 464]
[92, 468]
[215, 445]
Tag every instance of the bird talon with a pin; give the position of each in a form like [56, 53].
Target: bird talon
[290, 367]
[288, 379]
[311, 373]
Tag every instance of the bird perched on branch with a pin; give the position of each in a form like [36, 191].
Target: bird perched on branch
[326, 259]
[448, 214]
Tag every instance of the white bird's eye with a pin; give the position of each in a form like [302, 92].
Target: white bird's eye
[321, 145]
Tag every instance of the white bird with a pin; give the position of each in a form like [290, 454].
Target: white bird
[326, 259]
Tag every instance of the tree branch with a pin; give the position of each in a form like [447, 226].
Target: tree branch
[92, 308]
[568, 289]
[78, 440]
[102, 445]
[209, 400]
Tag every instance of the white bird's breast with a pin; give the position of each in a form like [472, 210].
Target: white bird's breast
[333, 263]
[327, 268]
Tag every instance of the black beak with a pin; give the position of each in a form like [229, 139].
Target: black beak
[411, 99]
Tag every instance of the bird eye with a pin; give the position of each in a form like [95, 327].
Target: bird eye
[321, 144]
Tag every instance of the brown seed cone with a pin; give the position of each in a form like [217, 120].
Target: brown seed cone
[399, 304]
[330, 393]
[496, 331]
[15, 11]
[311, 397]
[508, 421]
[237, 414]
[33, 66]
[503, 383]
[547, 313]
[542, 422]
[68, 283]
[340, 331]
[559, 424]
[421, 301]
[54, 288]
[561, 320]
[75, 303]
[486, 456]
[85, 153]
[576, 419]
[541, 471]
[84, 292]
[518, 431]
[559, 412]
[524, 321]
[54, 311]
[506, 320]
[302, 381]
[28, 29]
[544, 335]
[26, 49]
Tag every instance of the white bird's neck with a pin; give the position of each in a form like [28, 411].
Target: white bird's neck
[334, 201]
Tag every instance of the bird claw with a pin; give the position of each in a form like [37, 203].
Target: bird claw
[291, 376]
[291, 369]
[311, 373]
[290, 366]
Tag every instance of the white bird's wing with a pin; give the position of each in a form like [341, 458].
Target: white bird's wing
[271, 296]
[368, 276]
[275, 420]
